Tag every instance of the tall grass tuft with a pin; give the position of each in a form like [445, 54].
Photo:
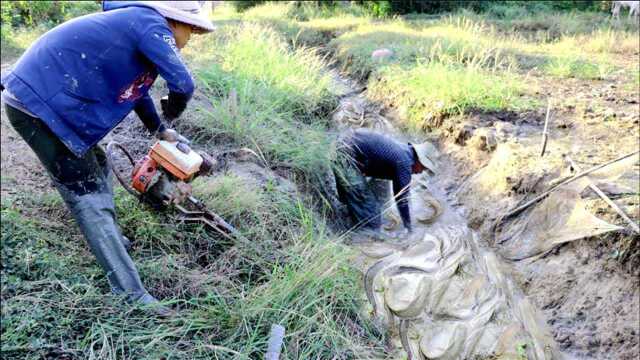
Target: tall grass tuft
[425, 93]
[269, 98]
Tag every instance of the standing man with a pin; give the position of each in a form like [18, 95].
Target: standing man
[80, 80]
[364, 153]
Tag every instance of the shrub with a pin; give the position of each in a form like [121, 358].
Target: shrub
[44, 13]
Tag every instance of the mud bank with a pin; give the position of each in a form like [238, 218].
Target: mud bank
[587, 289]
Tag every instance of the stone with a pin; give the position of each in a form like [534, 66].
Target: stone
[381, 54]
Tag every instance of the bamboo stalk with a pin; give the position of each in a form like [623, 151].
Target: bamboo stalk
[545, 135]
[604, 197]
[519, 209]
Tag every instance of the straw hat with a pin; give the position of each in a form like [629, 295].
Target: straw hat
[426, 152]
[188, 12]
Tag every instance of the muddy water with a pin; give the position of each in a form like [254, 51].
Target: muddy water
[439, 294]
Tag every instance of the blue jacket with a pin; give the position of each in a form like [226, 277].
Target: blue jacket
[84, 76]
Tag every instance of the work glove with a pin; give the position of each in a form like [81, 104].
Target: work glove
[171, 135]
[173, 105]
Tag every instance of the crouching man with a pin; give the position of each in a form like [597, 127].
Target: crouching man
[363, 153]
[76, 83]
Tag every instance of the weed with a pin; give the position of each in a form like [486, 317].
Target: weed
[578, 68]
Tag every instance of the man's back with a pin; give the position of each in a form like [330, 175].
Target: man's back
[380, 156]
[92, 56]
[84, 76]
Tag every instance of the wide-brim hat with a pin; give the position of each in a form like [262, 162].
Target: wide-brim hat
[427, 153]
[188, 12]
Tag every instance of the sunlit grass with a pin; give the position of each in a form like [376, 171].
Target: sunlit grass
[424, 93]
[454, 41]
[603, 41]
[571, 66]
[281, 99]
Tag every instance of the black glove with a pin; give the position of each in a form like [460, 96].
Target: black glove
[173, 105]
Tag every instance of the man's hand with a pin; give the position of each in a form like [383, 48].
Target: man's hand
[173, 105]
[171, 135]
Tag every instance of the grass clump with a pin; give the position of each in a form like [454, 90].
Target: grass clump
[270, 98]
[572, 67]
[427, 92]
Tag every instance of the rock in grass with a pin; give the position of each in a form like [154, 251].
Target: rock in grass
[381, 54]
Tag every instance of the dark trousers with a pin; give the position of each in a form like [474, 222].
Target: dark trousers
[363, 198]
[85, 185]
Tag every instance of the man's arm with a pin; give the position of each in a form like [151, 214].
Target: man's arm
[146, 111]
[159, 46]
[401, 192]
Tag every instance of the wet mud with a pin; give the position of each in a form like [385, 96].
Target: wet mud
[440, 294]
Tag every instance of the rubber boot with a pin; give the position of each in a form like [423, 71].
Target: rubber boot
[86, 186]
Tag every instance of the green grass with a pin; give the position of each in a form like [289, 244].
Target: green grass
[447, 67]
[423, 94]
[453, 41]
[15, 41]
[572, 67]
[281, 104]
[268, 91]
[306, 25]
[56, 299]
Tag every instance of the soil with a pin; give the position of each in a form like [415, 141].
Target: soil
[587, 289]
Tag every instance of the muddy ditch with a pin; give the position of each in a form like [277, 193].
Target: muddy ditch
[442, 295]
[449, 293]
[567, 281]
